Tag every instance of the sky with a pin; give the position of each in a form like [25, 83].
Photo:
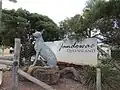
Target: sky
[57, 10]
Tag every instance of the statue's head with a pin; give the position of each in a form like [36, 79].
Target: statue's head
[38, 34]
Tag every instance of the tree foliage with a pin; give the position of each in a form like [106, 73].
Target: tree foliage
[13, 1]
[73, 27]
[21, 24]
[100, 16]
[105, 16]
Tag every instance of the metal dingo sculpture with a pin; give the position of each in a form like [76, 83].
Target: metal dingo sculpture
[43, 50]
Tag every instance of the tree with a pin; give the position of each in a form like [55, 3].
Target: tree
[98, 16]
[13, 1]
[23, 23]
[105, 17]
[73, 27]
[82, 25]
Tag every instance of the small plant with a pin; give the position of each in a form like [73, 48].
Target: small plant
[110, 77]
[89, 77]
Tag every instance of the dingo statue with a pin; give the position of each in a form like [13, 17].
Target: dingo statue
[43, 50]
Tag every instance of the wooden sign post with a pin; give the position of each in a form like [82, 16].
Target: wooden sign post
[16, 64]
[98, 79]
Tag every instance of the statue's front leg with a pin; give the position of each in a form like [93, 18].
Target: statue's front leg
[36, 58]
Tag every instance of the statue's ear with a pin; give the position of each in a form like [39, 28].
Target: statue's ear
[42, 31]
[35, 30]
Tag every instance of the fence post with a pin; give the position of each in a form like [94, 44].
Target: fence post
[16, 64]
[98, 79]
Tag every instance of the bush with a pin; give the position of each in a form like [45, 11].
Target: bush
[110, 77]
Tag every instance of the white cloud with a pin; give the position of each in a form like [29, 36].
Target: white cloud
[55, 9]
